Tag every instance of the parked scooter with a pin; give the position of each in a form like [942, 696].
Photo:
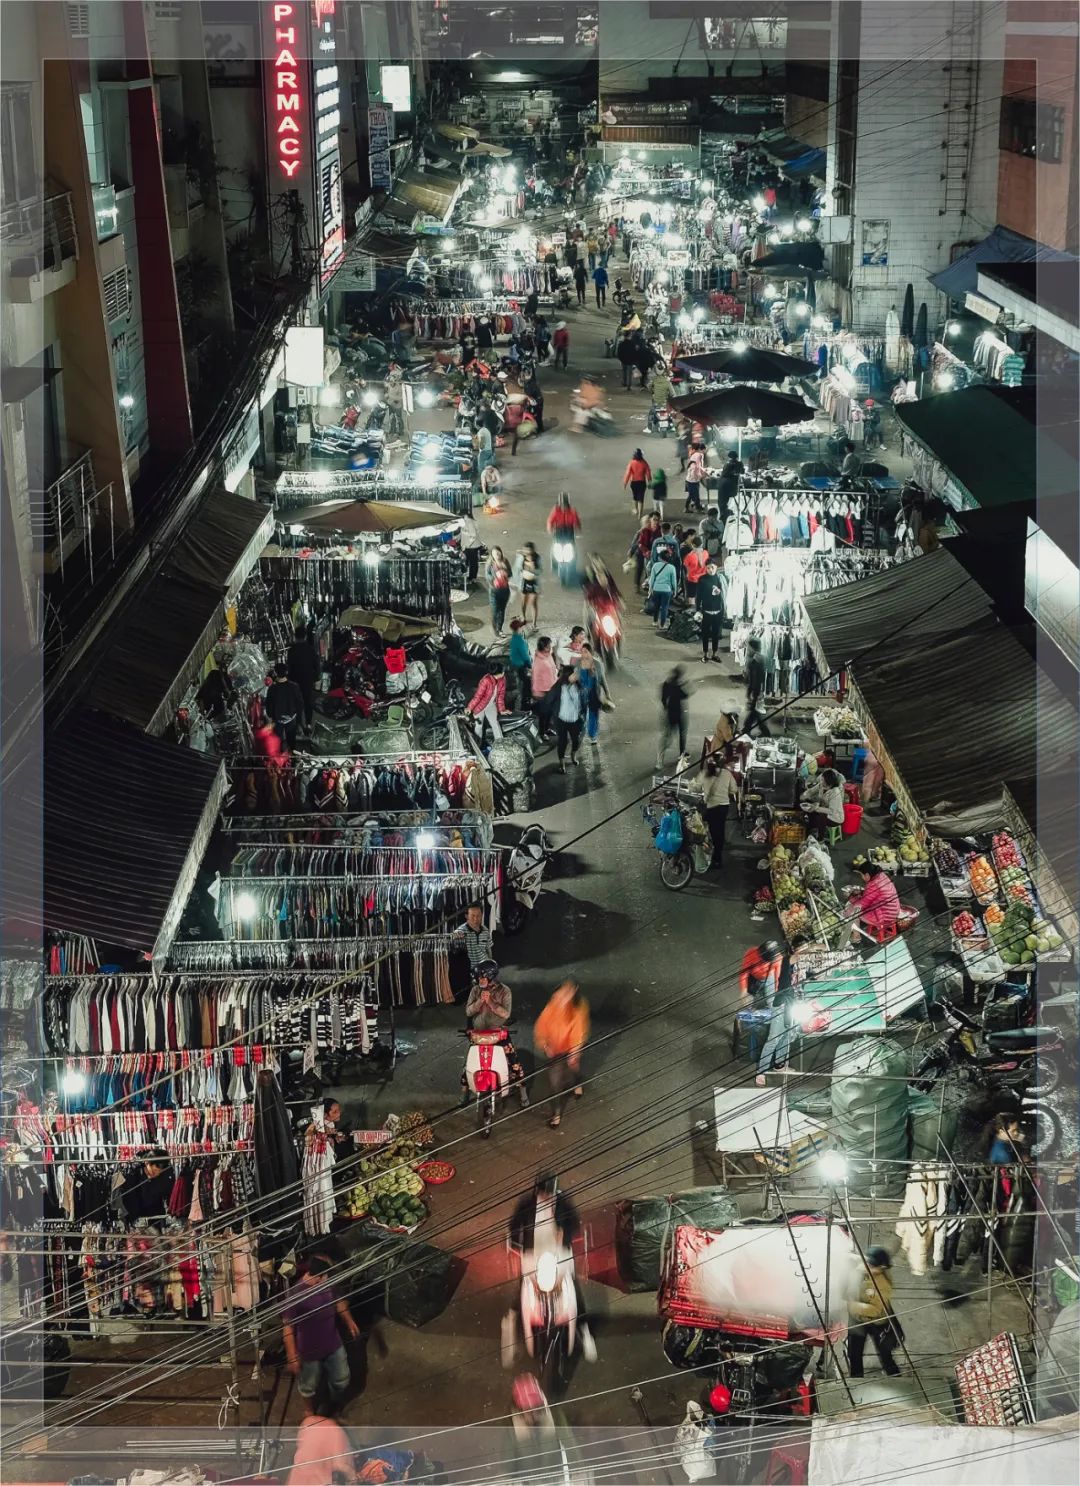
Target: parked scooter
[528, 861]
[1017, 1059]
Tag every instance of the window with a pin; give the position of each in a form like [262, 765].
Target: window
[17, 145]
[117, 295]
[168, 10]
[1033, 129]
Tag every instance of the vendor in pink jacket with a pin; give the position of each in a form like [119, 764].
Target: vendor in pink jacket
[878, 904]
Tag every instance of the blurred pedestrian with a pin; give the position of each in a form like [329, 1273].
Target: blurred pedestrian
[872, 1316]
[637, 477]
[594, 688]
[674, 714]
[525, 577]
[560, 1034]
[569, 714]
[561, 342]
[497, 573]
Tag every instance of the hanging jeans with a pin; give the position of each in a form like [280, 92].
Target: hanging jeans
[777, 1047]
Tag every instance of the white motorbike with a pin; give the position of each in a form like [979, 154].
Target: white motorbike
[528, 862]
[487, 1074]
[550, 1322]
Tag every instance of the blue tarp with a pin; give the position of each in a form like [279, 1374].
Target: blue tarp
[1001, 246]
[812, 163]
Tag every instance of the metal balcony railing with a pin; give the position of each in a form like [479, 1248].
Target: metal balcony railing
[39, 234]
[64, 515]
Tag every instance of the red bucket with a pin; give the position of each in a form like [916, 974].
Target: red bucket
[852, 819]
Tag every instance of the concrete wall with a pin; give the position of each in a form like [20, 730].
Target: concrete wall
[635, 45]
[913, 79]
[1037, 197]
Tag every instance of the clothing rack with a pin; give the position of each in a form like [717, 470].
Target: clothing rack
[304, 489]
[473, 826]
[362, 784]
[418, 586]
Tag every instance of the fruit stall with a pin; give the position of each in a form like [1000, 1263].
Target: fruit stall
[805, 899]
[395, 1176]
[1003, 927]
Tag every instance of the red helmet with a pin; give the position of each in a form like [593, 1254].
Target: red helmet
[720, 1399]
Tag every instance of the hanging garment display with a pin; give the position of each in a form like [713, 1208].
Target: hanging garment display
[414, 585]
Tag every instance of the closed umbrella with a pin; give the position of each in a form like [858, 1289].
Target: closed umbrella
[907, 314]
[749, 364]
[919, 339]
[354, 518]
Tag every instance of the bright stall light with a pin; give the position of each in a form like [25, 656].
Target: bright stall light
[370, 399]
[946, 381]
[427, 477]
[759, 203]
[73, 1082]
[245, 907]
[673, 240]
[802, 309]
[330, 395]
[804, 224]
[771, 291]
[729, 432]
[127, 401]
[425, 398]
[819, 322]
[509, 177]
[425, 840]
[684, 321]
[371, 557]
[449, 244]
[508, 75]
[476, 268]
[431, 451]
[773, 237]
[786, 230]
[953, 327]
[739, 347]
[322, 477]
[707, 186]
[295, 530]
[484, 283]
[699, 313]
[833, 1168]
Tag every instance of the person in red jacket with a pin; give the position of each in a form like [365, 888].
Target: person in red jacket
[641, 547]
[878, 903]
[561, 341]
[564, 520]
[638, 474]
[759, 974]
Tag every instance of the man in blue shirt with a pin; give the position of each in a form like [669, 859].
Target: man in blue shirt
[600, 281]
[518, 667]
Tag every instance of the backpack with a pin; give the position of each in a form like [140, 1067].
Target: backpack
[669, 836]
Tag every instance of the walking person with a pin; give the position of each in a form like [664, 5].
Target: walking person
[594, 688]
[624, 352]
[519, 665]
[551, 267]
[872, 1316]
[732, 468]
[592, 247]
[533, 391]
[754, 671]
[303, 667]
[641, 545]
[525, 577]
[394, 398]
[710, 597]
[497, 573]
[695, 563]
[658, 492]
[560, 1034]
[695, 473]
[682, 439]
[600, 284]
[561, 342]
[543, 677]
[581, 279]
[720, 791]
[471, 547]
[284, 705]
[663, 581]
[313, 1345]
[637, 477]
[569, 713]
[674, 715]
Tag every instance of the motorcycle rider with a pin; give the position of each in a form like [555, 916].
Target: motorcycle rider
[602, 600]
[543, 1227]
[488, 1009]
[563, 525]
[543, 1221]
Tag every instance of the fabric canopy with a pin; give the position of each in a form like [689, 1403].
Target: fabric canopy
[125, 822]
[796, 157]
[356, 517]
[222, 545]
[456, 132]
[737, 405]
[989, 441]
[953, 701]
[933, 1453]
[1000, 246]
[158, 649]
[751, 364]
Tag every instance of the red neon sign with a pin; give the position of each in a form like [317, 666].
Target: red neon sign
[285, 93]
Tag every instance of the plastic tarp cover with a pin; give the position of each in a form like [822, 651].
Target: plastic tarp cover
[769, 1279]
[870, 1111]
[644, 1224]
[1002, 245]
[222, 545]
[842, 1453]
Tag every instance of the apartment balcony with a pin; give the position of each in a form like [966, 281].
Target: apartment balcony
[64, 516]
[40, 246]
[185, 207]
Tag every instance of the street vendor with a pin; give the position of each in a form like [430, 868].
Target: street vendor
[823, 801]
[877, 902]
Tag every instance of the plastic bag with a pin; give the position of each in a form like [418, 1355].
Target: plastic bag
[693, 1440]
[669, 838]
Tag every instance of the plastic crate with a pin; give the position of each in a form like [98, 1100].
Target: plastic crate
[788, 829]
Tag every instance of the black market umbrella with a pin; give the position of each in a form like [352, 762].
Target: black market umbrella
[752, 364]
[736, 406]
[919, 339]
[819, 469]
[907, 314]
[792, 255]
[353, 518]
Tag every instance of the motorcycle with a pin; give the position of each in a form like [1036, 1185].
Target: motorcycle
[550, 1320]
[528, 861]
[564, 558]
[605, 630]
[590, 417]
[487, 1073]
[680, 836]
[1011, 1060]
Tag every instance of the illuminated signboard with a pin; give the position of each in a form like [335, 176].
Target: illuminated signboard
[288, 85]
[329, 214]
[395, 84]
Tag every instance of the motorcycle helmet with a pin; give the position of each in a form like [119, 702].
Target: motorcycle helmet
[486, 970]
[879, 1258]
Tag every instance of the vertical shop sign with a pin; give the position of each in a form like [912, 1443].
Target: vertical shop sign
[379, 146]
[286, 90]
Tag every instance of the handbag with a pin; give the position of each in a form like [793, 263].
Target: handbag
[629, 565]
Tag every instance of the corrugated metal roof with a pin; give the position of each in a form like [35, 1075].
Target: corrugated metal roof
[956, 702]
[222, 545]
[124, 822]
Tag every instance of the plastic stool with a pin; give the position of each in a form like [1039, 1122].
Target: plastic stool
[833, 834]
[883, 933]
